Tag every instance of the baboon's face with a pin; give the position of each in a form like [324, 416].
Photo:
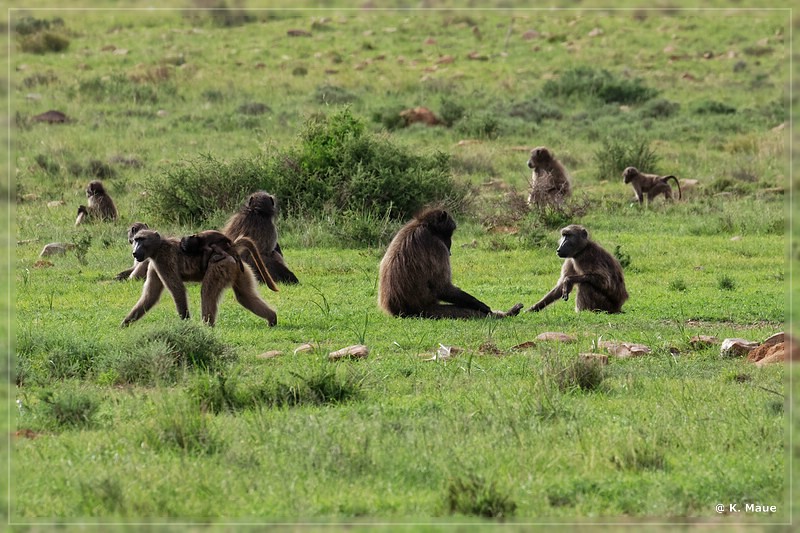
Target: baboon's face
[135, 228]
[261, 203]
[539, 156]
[95, 188]
[628, 174]
[145, 243]
[573, 240]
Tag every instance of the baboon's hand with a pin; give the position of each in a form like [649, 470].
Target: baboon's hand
[514, 311]
[535, 307]
[567, 288]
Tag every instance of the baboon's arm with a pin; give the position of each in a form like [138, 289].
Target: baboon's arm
[151, 292]
[548, 298]
[597, 281]
[456, 296]
[176, 287]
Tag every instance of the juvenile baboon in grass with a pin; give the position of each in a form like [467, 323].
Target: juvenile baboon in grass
[99, 204]
[214, 246]
[139, 269]
[171, 267]
[650, 184]
[597, 273]
[256, 220]
[550, 182]
[415, 274]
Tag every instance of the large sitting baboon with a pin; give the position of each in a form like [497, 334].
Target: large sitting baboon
[170, 267]
[650, 184]
[256, 220]
[550, 182]
[415, 273]
[99, 204]
[597, 273]
[139, 269]
[215, 246]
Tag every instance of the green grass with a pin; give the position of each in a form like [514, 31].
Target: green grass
[185, 423]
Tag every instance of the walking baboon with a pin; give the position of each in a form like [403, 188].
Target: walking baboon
[139, 269]
[650, 184]
[215, 246]
[598, 274]
[256, 220]
[170, 267]
[550, 182]
[415, 273]
[99, 204]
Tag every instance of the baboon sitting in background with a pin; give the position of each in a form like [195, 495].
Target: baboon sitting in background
[171, 267]
[256, 220]
[99, 204]
[650, 184]
[415, 274]
[215, 246]
[597, 273]
[550, 182]
[138, 270]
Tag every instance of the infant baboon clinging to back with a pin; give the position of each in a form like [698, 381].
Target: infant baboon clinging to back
[256, 220]
[650, 184]
[99, 204]
[597, 273]
[415, 274]
[550, 182]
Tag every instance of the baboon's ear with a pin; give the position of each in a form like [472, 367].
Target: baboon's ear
[271, 200]
[584, 233]
[443, 216]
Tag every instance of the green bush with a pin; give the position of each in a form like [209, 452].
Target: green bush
[337, 166]
[617, 154]
[480, 124]
[588, 82]
[472, 495]
[451, 112]
[659, 108]
[71, 408]
[712, 107]
[43, 42]
[534, 110]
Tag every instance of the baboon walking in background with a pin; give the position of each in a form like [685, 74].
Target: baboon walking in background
[99, 204]
[597, 273]
[170, 267]
[415, 274]
[550, 182]
[256, 220]
[650, 184]
[139, 269]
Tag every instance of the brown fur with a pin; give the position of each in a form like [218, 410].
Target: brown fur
[650, 184]
[256, 220]
[597, 273]
[170, 267]
[415, 273]
[216, 246]
[550, 182]
[139, 269]
[99, 204]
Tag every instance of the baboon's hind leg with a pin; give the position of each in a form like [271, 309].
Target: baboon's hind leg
[245, 289]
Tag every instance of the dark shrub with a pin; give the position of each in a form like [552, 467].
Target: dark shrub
[617, 154]
[601, 84]
[659, 108]
[712, 107]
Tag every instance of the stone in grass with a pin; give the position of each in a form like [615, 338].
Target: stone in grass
[591, 356]
[624, 349]
[736, 347]
[304, 348]
[702, 341]
[443, 353]
[555, 336]
[56, 248]
[524, 345]
[272, 354]
[357, 351]
[767, 354]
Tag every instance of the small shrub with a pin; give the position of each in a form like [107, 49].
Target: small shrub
[622, 256]
[253, 108]
[677, 285]
[556, 216]
[659, 108]
[579, 373]
[480, 124]
[70, 408]
[363, 228]
[82, 245]
[726, 283]
[617, 154]
[450, 112]
[472, 495]
[333, 95]
[182, 426]
[28, 25]
[534, 111]
[147, 364]
[643, 456]
[588, 82]
[390, 118]
[712, 107]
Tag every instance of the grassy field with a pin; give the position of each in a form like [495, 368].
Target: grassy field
[171, 422]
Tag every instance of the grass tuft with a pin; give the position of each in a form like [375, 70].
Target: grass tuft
[474, 496]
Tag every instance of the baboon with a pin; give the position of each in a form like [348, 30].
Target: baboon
[215, 246]
[550, 182]
[598, 274]
[170, 267]
[139, 269]
[99, 204]
[650, 184]
[415, 273]
[256, 220]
